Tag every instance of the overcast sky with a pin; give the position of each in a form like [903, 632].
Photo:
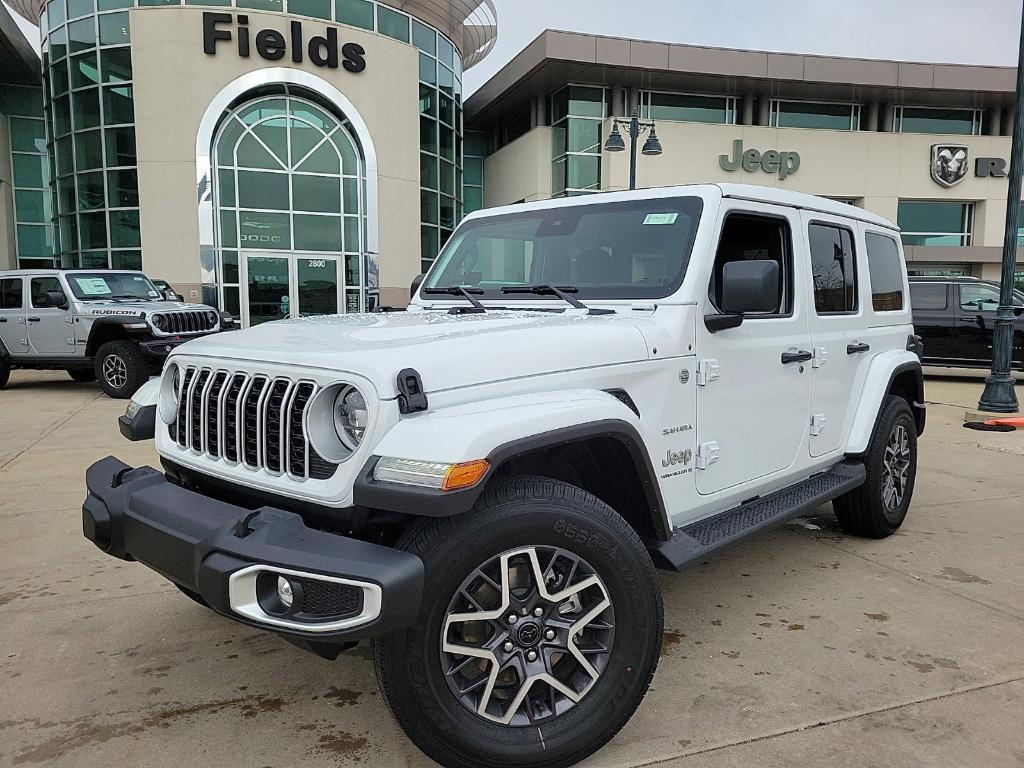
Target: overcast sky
[960, 31]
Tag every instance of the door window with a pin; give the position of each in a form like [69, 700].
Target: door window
[748, 237]
[10, 294]
[885, 267]
[982, 298]
[928, 295]
[833, 269]
[40, 287]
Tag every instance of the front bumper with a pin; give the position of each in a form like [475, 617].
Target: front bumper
[218, 551]
[162, 347]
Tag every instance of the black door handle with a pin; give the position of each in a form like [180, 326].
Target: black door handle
[796, 357]
[33, 319]
[3, 319]
[857, 347]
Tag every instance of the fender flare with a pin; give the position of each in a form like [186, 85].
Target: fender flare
[882, 374]
[500, 430]
[101, 323]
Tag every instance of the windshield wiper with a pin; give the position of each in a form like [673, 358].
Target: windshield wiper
[458, 290]
[561, 292]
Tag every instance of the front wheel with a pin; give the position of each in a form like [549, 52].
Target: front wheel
[121, 369]
[538, 634]
[878, 507]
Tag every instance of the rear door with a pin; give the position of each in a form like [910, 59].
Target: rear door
[13, 332]
[752, 407]
[837, 324]
[49, 328]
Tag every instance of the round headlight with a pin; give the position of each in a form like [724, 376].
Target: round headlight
[159, 321]
[170, 394]
[212, 317]
[350, 416]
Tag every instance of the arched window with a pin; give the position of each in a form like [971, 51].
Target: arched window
[290, 197]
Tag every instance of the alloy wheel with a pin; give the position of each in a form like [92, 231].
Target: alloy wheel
[527, 635]
[115, 371]
[895, 467]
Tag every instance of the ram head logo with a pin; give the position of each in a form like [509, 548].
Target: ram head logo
[949, 164]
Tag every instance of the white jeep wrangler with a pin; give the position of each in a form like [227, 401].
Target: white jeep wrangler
[484, 483]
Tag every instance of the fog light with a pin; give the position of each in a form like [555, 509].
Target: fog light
[284, 592]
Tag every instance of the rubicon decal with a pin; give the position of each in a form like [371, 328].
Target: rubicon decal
[323, 50]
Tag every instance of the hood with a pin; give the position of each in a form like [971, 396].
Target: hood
[133, 308]
[448, 350]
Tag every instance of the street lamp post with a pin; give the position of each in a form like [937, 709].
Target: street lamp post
[635, 126]
[999, 395]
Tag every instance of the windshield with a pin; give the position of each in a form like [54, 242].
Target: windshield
[112, 285]
[620, 250]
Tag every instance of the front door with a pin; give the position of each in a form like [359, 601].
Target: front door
[289, 285]
[753, 391]
[13, 330]
[50, 334]
[835, 308]
[976, 306]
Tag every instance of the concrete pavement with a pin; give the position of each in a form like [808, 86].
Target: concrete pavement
[802, 646]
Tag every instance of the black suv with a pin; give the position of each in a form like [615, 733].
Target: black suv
[955, 316]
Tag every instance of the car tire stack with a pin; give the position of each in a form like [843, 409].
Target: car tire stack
[121, 369]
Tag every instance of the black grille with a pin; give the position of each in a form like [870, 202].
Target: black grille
[251, 420]
[189, 321]
[324, 599]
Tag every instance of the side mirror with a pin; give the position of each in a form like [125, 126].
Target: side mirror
[56, 299]
[750, 286]
[747, 287]
[416, 283]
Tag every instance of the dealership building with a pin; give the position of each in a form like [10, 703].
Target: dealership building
[289, 157]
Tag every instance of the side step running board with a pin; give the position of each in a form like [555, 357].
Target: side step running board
[698, 539]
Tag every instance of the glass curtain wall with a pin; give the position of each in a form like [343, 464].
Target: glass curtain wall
[87, 78]
[91, 138]
[23, 107]
[577, 115]
[473, 179]
[935, 222]
[440, 102]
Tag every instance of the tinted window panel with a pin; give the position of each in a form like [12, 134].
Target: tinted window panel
[833, 269]
[979, 298]
[10, 294]
[928, 296]
[886, 273]
[40, 287]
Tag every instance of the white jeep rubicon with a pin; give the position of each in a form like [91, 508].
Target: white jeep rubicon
[484, 483]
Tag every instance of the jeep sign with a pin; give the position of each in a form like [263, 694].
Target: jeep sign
[771, 161]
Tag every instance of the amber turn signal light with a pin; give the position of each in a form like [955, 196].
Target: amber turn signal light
[465, 475]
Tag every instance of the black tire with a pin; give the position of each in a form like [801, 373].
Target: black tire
[121, 369]
[875, 509]
[82, 375]
[554, 520]
[5, 373]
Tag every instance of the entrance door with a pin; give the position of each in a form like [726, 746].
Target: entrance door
[289, 285]
[268, 288]
[13, 331]
[753, 395]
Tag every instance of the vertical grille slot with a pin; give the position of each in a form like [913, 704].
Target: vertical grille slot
[231, 408]
[213, 404]
[195, 411]
[272, 424]
[182, 424]
[297, 445]
[251, 422]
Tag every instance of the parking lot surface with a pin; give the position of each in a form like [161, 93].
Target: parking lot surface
[801, 646]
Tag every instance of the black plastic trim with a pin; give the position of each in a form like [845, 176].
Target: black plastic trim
[137, 514]
[141, 427]
[424, 502]
[411, 397]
